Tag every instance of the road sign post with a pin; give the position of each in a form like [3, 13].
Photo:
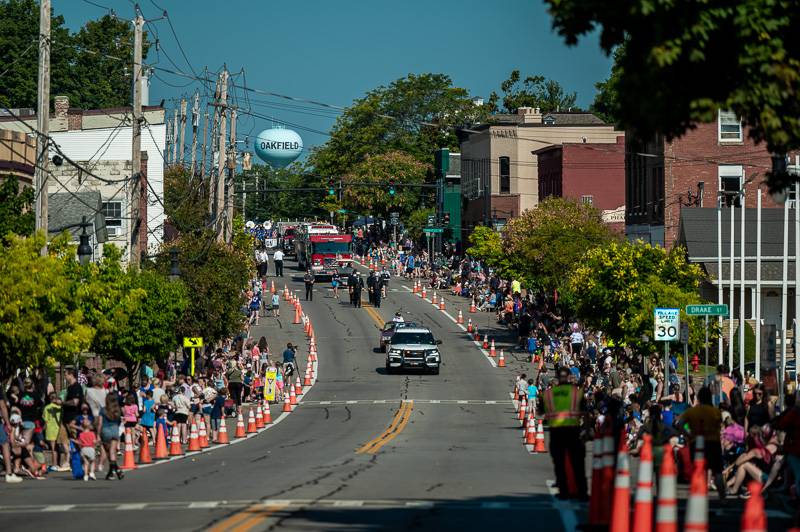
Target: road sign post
[667, 322]
[685, 342]
[192, 343]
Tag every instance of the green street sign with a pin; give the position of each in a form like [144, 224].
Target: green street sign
[432, 230]
[706, 310]
[341, 211]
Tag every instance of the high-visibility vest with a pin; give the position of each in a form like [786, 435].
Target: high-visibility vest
[562, 406]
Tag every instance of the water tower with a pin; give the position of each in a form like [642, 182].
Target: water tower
[278, 147]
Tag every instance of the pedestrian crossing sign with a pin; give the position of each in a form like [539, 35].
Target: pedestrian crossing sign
[196, 341]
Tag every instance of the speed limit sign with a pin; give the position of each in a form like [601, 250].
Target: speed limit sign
[667, 323]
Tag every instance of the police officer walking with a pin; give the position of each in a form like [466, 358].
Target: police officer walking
[371, 283]
[357, 287]
[564, 409]
[308, 279]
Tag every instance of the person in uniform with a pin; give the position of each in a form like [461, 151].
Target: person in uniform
[371, 286]
[564, 410]
[308, 279]
[357, 287]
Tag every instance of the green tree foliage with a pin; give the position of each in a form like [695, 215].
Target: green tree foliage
[16, 207]
[40, 322]
[549, 241]
[377, 171]
[487, 245]
[533, 91]
[79, 66]
[185, 199]
[607, 102]
[617, 286]
[414, 114]
[416, 221]
[749, 343]
[683, 61]
[286, 203]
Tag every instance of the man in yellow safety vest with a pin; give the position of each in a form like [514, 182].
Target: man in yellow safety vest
[563, 410]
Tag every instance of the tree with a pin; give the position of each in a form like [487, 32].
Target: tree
[533, 91]
[549, 241]
[378, 171]
[486, 244]
[606, 102]
[91, 67]
[683, 61]
[40, 322]
[415, 114]
[16, 212]
[417, 220]
[617, 287]
[185, 199]
[285, 203]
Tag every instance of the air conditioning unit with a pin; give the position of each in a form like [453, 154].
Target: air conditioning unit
[113, 232]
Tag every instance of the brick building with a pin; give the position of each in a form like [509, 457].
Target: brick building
[499, 174]
[663, 177]
[588, 173]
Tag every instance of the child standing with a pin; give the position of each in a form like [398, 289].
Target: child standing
[276, 305]
[52, 422]
[87, 440]
[148, 414]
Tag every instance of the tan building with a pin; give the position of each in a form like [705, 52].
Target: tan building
[499, 170]
[17, 156]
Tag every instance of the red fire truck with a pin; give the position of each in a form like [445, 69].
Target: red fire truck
[323, 249]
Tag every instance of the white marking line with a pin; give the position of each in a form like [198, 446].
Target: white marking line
[419, 504]
[435, 401]
[565, 511]
[324, 402]
[348, 503]
[132, 506]
[462, 402]
[208, 504]
[58, 508]
[460, 326]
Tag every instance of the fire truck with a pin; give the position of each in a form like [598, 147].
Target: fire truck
[322, 248]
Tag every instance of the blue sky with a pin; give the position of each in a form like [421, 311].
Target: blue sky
[334, 51]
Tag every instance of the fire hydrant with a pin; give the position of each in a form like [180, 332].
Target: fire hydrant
[695, 362]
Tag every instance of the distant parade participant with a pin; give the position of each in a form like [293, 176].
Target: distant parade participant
[277, 258]
[308, 279]
[372, 284]
[358, 286]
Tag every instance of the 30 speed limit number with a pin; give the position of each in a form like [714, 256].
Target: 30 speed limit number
[667, 324]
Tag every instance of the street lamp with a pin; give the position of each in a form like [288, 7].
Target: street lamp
[174, 269]
[84, 248]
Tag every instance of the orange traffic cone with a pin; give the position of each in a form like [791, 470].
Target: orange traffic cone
[298, 388]
[667, 509]
[128, 461]
[608, 476]
[240, 432]
[414, 288]
[597, 495]
[296, 316]
[272, 288]
[492, 352]
[251, 423]
[485, 344]
[540, 448]
[643, 500]
[222, 434]
[144, 449]
[621, 507]
[292, 394]
[287, 405]
[441, 304]
[202, 433]
[469, 325]
[754, 519]
[501, 362]
[523, 409]
[472, 308]
[476, 335]
[434, 300]
[307, 377]
[194, 438]
[161, 443]
[424, 293]
[266, 414]
[175, 448]
[697, 506]
[530, 433]
[259, 418]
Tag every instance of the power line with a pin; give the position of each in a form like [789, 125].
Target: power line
[19, 57]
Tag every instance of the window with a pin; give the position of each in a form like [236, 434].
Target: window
[587, 200]
[505, 175]
[730, 127]
[730, 183]
[112, 210]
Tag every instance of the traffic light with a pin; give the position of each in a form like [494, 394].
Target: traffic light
[391, 187]
[331, 188]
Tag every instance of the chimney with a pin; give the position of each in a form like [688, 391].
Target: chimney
[61, 106]
[530, 115]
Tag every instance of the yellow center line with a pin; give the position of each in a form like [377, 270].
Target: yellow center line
[374, 315]
[247, 519]
[399, 422]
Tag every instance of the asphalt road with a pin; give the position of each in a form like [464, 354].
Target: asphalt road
[365, 450]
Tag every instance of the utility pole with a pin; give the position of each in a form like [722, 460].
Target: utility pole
[136, 155]
[230, 188]
[221, 159]
[168, 143]
[43, 119]
[175, 122]
[195, 123]
[212, 190]
[203, 151]
[182, 145]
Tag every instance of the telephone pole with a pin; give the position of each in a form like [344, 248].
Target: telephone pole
[223, 124]
[182, 145]
[203, 151]
[195, 123]
[175, 122]
[43, 119]
[136, 155]
[230, 188]
[212, 189]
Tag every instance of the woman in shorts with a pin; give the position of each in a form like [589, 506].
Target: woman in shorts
[108, 424]
[335, 284]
